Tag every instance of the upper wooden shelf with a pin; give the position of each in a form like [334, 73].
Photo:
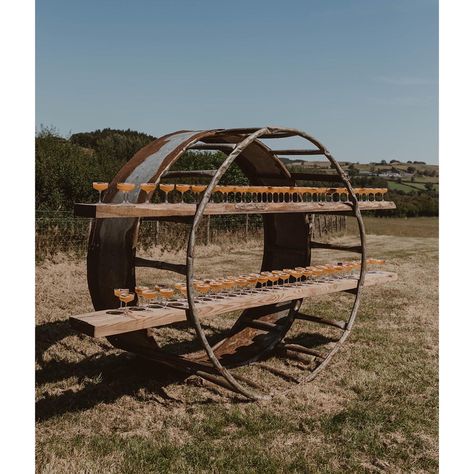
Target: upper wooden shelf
[101, 323]
[103, 211]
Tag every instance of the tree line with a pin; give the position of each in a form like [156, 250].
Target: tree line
[66, 168]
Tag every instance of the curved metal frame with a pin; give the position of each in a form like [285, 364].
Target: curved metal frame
[192, 313]
[138, 341]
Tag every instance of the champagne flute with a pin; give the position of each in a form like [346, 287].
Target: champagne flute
[166, 294]
[197, 189]
[166, 188]
[285, 276]
[120, 291]
[263, 280]
[278, 274]
[273, 278]
[139, 292]
[127, 298]
[219, 189]
[148, 188]
[125, 188]
[228, 285]
[216, 287]
[100, 186]
[203, 289]
[149, 295]
[252, 280]
[182, 188]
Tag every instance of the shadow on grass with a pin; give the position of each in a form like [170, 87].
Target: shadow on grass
[105, 377]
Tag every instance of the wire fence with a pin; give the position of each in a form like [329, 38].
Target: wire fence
[62, 232]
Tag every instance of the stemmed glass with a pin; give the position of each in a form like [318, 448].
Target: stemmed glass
[225, 190]
[166, 294]
[121, 291]
[148, 188]
[182, 188]
[228, 284]
[100, 186]
[203, 289]
[240, 284]
[182, 289]
[149, 295]
[197, 189]
[252, 279]
[166, 188]
[296, 275]
[262, 279]
[126, 298]
[125, 188]
[273, 278]
[139, 291]
[216, 287]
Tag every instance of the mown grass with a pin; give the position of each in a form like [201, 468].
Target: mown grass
[374, 409]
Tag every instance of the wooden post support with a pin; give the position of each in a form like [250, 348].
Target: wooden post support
[208, 230]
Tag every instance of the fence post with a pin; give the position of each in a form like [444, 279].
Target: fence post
[208, 229]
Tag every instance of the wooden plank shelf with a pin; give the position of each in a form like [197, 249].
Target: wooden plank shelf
[103, 323]
[103, 211]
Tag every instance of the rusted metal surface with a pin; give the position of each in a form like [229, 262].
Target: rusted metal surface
[112, 247]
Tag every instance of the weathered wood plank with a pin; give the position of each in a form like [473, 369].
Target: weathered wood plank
[101, 324]
[103, 211]
[342, 248]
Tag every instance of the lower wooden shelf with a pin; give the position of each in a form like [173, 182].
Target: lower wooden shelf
[104, 323]
[103, 211]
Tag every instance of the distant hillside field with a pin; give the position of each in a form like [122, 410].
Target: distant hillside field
[66, 168]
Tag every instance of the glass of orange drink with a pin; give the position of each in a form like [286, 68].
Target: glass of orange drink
[166, 294]
[148, 188]
[166, 188]
[252, 280]
[125, 188]
[202, 289]
[126, 298]
[215, 286]
[262, 279]
[297, 274]
[120, 291]
[284, 277]
[139, 290]
[149, 296]
[182, 189]
[273, 278]
[197, 189]
[100, 186]
[228, 284]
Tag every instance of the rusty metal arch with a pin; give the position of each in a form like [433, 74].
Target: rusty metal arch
[112, 241]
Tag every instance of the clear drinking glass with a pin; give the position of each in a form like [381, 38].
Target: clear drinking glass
[166, 294]
[127, 298]
[120, 291]
[100, 186]
[150, 296]
[166, 188]
[148, 188]
[125, 188]
[182, 188]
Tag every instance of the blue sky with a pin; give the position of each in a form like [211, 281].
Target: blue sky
[360, 75]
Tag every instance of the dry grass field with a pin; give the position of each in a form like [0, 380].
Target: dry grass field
[373, 409]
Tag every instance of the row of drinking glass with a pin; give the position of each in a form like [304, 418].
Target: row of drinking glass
[215, 289]
[247, 193]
